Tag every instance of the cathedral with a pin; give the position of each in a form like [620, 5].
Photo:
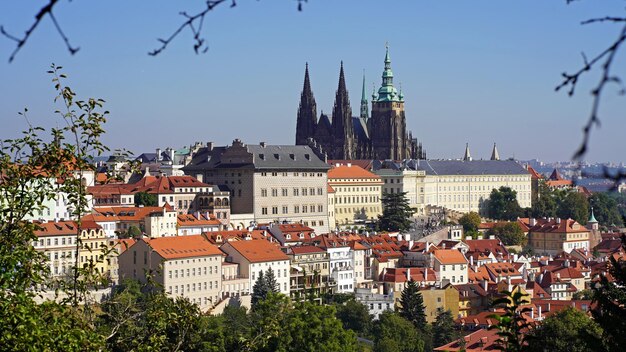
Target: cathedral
[343, 136]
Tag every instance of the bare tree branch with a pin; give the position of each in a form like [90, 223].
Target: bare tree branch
[46, 10]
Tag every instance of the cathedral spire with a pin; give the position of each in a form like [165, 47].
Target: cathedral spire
[387, 92]
[467, 156]
[343, 129]
[307, 112]
[364, 107]
[494, 153]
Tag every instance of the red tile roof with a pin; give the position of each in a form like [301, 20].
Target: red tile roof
[396, 275]
[305, 250]
[480, 340]
[258, 251]
[558, 226]
[449, 256]
[183, 247]
[352, 172]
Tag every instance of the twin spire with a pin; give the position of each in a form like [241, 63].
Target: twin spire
[468, 157]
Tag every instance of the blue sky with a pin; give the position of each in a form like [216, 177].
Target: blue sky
[471, 71]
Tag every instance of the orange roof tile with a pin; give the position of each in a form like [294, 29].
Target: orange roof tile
[183, 247]
[258, 250]
[353, 171]
[449, 256]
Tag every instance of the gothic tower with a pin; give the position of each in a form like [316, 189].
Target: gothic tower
[388, 133]
[365, 115]
[307, 112]
[342, 126]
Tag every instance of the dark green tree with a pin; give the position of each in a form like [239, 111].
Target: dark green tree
[235, 318]
[574, 206]
[545, 205]
[503, 205]
[393, 333]
[610, 303]
[568, 330]
[270, 281]
[605, 209]
[134, 232]
[355, 316]
[512, 325]
[470, 221]
[259, 290]
[510, 233]
[444, 330]
[146, 199]
[412, 306]
[397, 214]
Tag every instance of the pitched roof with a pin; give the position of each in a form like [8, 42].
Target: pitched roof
[449, 256]
[189, 220]
[58, 228]
[258, 251]
[396, 275]
[558, 226]
[457, 167]
[365, 164]
[182, 246]
[350, 171]
[305, 250]
[480, 340]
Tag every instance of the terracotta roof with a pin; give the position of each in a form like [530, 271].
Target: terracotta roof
[559, 183]
[59, 228]
[165, 184]
[127, 213]
[258, 251]
[109, 190]
[364, 164]
[552, 226]
[352, 172]
[306, 249]
[295, 228]
[487, 246]
[533, 173]
[330, 189]
[183, 247]
[503, 269]
[189, 220]
[397, 275]
[480, 340]
[449, 256]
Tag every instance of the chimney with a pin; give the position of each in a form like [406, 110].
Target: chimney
[539, 311]
[209, 146]
[263, 145]
[532, 313]
[425, 274]
[548, 307]
[471, 260]
[484, 283]
[566, 263]
[558, 220]
[408, 274]
[532, 222]
[158, 154]
[349, 164]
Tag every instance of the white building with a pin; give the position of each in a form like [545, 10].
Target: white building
[342, 267]
[256, 256]
[451, 265]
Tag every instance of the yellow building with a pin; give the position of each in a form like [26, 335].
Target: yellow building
[357, 194]
[553, 236]
[94, 249]
[438, 299]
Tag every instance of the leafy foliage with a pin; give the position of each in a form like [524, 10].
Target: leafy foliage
[355, 316]
[610, 299]
[575, 206]
[393, 333]
[565, 331]
[470, 221]
[605, 209]
[146, 199]
[264, 284]
[510, 233]
[503, 205]
[397, 213]
[512, 325]
[545, 205]
[444, 331]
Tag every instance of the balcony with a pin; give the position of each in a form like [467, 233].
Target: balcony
[233, 277]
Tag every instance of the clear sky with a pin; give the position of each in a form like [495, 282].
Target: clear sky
[471, 71]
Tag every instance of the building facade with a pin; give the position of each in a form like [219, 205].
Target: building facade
[274, 183]
[357, 194]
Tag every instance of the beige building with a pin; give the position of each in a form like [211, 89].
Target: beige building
[357, 194]
[272, 182]
[459, 185]
[57, 241]
[151, 221]
[256, 256]
[309, 268]
[186, 266]
[450, 265]
[94, 247]
[552, 236]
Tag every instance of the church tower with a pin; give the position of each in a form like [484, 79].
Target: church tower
[307, 112]
[365, 115]
[342, 125]
[388, 133]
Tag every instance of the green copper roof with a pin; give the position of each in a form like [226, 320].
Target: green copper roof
[387, 92]
[592, 219]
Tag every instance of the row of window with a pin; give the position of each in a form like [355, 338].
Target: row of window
[296, 209]
[339, 189]
[284, 192]
[49, 241]
[285, 174]
[208, 285]
[358, 199]
[208, 270]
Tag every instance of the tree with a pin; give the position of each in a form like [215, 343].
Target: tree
[412, 306]
[397, 213]
[605, 209]
[545, 205]
[610, 303]
[236, 319]
[503, 205]
[146, 199]
[134, 232]
[355, 316]
[444, 330]
[512, 325]
[510, 233]
[470, 222]
[568, 330]
[393, 333]
[265, 283]
[574, 206]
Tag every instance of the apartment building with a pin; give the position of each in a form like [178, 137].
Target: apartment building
[187, 266]
[451, 266]
[357, 194]
[552, 236]
[57, 241]
[274, 183]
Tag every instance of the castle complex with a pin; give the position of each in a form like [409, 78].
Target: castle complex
[381, 136]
